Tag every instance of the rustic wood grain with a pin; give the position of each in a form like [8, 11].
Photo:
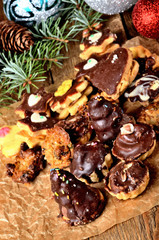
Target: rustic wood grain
[145, 226]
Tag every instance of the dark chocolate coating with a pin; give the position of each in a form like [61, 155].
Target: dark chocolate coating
[126, 177]
[78, 202]
[82, 72]
[41, 106]
[36, 126]
[131, 146]
[107, 74]
[106, 33]
[106, 118]
[88, 158]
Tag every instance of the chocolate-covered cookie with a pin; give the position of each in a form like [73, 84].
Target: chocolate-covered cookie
[36, 102]
[127, 180]
[78, 202]
[144, 90]
[91, 161]
[135, 141]
[105, 117]
[113, 75]
[97, 42]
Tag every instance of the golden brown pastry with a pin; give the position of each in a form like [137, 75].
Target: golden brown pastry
[127, 180]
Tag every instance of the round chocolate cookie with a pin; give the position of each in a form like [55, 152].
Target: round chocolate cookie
[79, 203]
[127, 180]
[134, 142]
[91, 161]
[105, 117]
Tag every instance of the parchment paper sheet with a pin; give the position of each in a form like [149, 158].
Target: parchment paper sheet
[28, 212]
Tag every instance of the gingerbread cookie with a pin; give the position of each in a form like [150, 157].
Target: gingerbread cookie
[134, 142]
[127, 180]
[91, 161]
[78, 202]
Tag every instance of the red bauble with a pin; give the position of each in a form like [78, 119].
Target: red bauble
[145, 18]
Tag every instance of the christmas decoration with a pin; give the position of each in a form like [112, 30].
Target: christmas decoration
[145, 17]
[20, 71]
[29, 12]
[14, 37]
[110, 7]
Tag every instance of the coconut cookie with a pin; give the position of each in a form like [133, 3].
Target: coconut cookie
[113, 75]
[150, 114]
[28, 164]
[97, 42]
[57, 147]
[127, 180]
[78, 202]
[11, 139]
[37, 102]
[91, 161]
[69, 101]
[134, 142]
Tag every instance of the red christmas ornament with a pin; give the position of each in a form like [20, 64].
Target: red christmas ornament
[145, 18]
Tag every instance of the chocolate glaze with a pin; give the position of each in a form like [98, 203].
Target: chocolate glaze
[106, 33]
[70, 92]
[126, 177]
[82, 72]
[131, 146]
[36, 126]
[41, 106]
[141, 89]
[105, 117]
[107, 74]
[146, 66]
[88, 158]
[78, 202]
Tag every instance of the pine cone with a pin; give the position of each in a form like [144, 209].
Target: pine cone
[14, 37]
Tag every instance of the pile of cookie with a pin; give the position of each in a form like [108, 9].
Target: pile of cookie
[100, 126]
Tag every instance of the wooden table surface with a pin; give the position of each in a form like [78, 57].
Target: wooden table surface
[145, 226]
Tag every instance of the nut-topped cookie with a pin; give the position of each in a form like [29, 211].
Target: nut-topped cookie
[91, 161]
[134, 142]
[97, 42]
[113, 75]
[36, 123]
[35, 102]
[78, 202]
[127, 180]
